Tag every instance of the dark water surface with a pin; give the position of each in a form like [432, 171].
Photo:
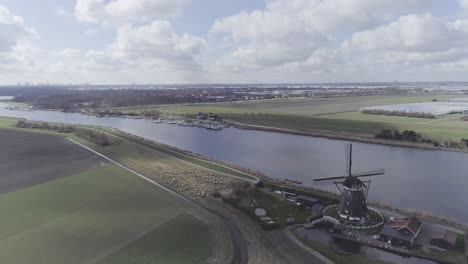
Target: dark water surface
[435, 182]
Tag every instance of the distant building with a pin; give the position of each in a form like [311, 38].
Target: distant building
[402, 232]
[444, 239]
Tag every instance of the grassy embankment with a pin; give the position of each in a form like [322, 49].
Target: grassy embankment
[100, 216]
[337, 115]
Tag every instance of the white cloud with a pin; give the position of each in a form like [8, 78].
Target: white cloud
[16, 49]
[69, 52]
[13, 30]
[464, 4]
[60, 11]
[91, 32]
[411, 40]
[156, 45]
[291, 31]
[120, 11]
[418, 33]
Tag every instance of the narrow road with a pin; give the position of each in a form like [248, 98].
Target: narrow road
[240, 248]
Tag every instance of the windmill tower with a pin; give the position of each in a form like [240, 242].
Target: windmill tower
[354, 191]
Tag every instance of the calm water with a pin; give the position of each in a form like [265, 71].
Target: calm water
[428, 181]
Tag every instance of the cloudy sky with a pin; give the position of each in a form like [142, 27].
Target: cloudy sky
[232, 41]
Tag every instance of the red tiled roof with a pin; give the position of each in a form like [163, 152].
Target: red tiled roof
[446, 235]
[412, 223]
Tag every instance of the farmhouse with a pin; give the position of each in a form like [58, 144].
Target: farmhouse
[402, 232]
[444, 239]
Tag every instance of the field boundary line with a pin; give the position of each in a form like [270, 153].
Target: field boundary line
[240, 257]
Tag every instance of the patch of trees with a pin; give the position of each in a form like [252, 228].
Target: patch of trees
[412, 136]
[96, 137]
[45, 126]
[407, 135]
[397, 113]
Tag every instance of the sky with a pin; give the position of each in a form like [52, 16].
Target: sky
[232, 41]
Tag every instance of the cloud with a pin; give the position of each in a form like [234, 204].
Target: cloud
[16, 38]
[91, 31]
[421, 33]
[418, 39]
[13, 31]
[60, 11]
[120, 11]
[69, 52]
[156, 45]
[291, 31]
[464, 4]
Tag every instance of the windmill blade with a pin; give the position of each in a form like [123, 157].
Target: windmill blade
[370, 173]
[330, 179]
[349, 158]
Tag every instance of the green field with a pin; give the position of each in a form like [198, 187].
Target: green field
[328, 115]
[296, 106]
[104, 215]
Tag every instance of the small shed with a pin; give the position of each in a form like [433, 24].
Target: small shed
[444, 239]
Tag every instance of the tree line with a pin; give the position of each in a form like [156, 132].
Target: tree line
[96, 137]
[397, 113]
[412, 136]
[46, 126]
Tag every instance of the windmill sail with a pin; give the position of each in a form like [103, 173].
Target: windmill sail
[370, 173]
[349, 157]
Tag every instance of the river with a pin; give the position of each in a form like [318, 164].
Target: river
[427, 181]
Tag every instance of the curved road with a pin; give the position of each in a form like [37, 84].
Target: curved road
[240, 254]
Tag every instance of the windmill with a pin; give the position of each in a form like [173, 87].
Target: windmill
[354, 191]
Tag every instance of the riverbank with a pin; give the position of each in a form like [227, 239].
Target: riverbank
[344, 136]
[351, 130]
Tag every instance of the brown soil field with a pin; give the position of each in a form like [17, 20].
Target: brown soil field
[45, 158]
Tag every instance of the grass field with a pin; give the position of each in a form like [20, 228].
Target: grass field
[329, 115]
[38, 163]
[90, 216]
[103, 214]
[296, 106]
